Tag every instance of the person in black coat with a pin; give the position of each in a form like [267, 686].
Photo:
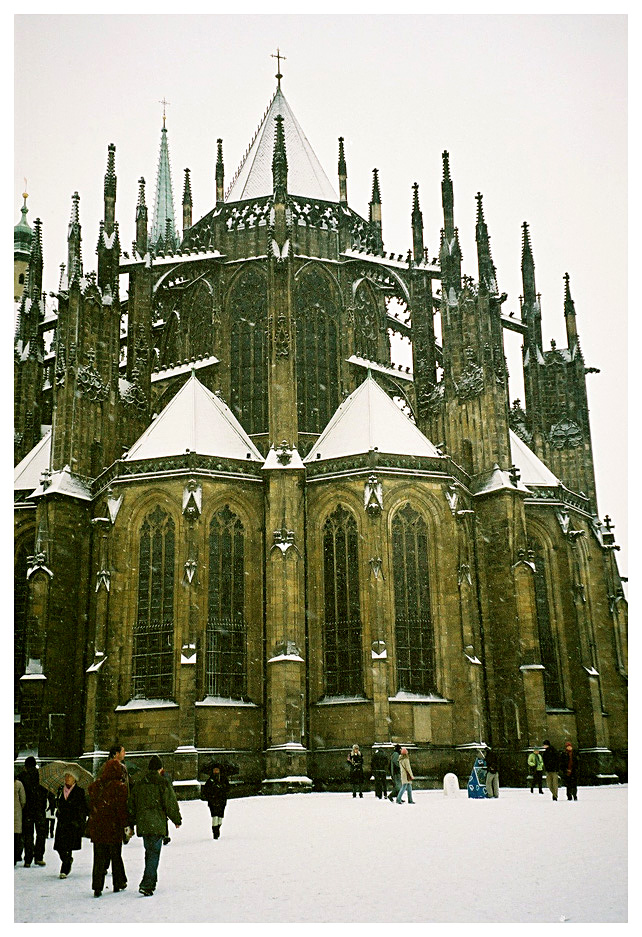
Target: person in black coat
[215, 791]
[551, 759]
[379, 766]
[72, 810]
[34, 820]
[568, 770]
[355, 760]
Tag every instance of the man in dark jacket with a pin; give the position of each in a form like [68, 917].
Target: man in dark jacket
[34, 820]
[151, 801]
[395, 773]
[551, 759]
[379, 765]
[568, 770]
[107, 821]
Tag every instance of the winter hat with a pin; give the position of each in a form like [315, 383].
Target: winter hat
[404, 751]
[30, 761]
[155, 763]
[546, 742]
[398, 748]
[568, 745]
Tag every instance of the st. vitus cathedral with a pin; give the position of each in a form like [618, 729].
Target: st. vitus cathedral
[242, 531]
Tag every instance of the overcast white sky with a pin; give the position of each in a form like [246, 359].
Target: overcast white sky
[533, 110]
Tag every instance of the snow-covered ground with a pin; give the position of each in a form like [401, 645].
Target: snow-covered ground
[314, 858]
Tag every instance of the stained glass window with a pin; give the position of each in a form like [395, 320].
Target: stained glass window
[226, 627]
[342, 618]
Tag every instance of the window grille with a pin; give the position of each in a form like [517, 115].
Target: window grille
[225, 667]
[317, 365]
[414, 639]
[342, 619]
[553, 695]
[248, 352]
[153, 657]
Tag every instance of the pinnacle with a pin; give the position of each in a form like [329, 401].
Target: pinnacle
[376, 194]
[446, 161]
[415, 197]
[141, 192]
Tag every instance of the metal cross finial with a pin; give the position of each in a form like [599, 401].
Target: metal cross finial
[278, 58]
[164, 103]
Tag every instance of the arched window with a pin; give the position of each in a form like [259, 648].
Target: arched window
[153, 658]
[366, 323]
[317, 353]
[20, 596]
[413, 625]
[247, 310]
[225, 667]
[342, 612]
[553, 694]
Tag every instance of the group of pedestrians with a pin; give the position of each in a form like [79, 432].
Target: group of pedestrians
[554, 763]
[398, 766]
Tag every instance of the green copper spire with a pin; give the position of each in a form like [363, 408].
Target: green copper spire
[164, 201]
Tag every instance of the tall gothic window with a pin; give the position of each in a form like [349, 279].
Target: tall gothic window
[414, 637]
[553, 694]
[366, 324]
[317, 353]
[153, 659]
[247, 310]
[20, 620]
[342, 627]
[198, 325]
[226, 628]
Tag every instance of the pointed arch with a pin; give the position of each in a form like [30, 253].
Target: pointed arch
[226, 636]
[368, 322]
[317, 348]
[246, 310]
[342, 644]
[198, 306]
[548, 645]
[153, 646]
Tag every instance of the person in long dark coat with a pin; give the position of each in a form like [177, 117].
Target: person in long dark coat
[379, 765]
[108, 818]
[215, 791]
[355, 760]
[71, 810]
[551, 759]
[395, 773]
[34, 821]
[568, 770]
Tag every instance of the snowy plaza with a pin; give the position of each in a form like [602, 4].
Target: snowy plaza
[325, 857]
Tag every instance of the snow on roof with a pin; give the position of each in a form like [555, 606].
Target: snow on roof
[369, 419]
[305, 173]
[26, 475]
[532, 469]
[63, 482]
[496, 480]
[198, 420]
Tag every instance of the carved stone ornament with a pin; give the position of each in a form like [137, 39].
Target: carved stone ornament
[283, 540]
[192, 500]
[90, 383]
[452, 497]
[565, 435]
[103, 578]
[431, 399]
[564, 521]
[471, 382]
[376, 564]
[282, 337]
[526, 558]
[518, 423]
[463, 575]
[134, 396]
[190, 569]
[284, 452]
[287, 649]
[37, 563]
[373, 496]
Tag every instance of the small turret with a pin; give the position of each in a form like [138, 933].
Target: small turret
[22, 236]
[74, 241]
[449, 249]
[279, 162]
[375, 207]
[487, 273]
[141, 219]
[569, 315]
[220, 173]
[343, 175]
[417, 226]
[187, 204]
[528, 267]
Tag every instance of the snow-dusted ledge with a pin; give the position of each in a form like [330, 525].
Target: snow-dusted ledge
[341, 700]
[135, 704]
[404, 697]
[532, 667]
[223, 701]
[285, 657]
[288, 747]
[194, 782]
[290, 779]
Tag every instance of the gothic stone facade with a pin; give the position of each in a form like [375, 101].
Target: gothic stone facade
[326, 574]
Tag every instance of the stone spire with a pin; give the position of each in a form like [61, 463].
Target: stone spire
[417, 226]
[487, 273]
[110, 189]
[141, 219]
[569, 315]
[220, 173]
[74, 241]
[279, 162]
[449, 251]
[343, 175]
[528, 266]
[164, 200]
[375, 207]
[187, 203]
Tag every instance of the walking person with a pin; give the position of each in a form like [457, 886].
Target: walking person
[536, 764]
[395, 772]
[551, 759]
[492, 774]
[355, 759]
[107, 821]
[34, 821]
[19, 801]
[379, 766]
[215, 791]
[151, 802]
[72, 810]
[568, 770]
[406, 777]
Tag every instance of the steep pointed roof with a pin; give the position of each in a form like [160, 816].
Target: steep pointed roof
[369, 419]
[531, 468]
[26, 475]
[164, 200]
[306, 176]
[195, 419]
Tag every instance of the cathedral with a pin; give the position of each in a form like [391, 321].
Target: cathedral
[242, 531]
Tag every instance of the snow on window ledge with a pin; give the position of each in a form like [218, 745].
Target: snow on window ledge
[134, 704]
[403, 696]
[224, 701]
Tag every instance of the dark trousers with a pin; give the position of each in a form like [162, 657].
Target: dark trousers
[65, 860]
[357, 785]
[537, 779]
[34, 828]
[571, 788]
[17, 847]
[153, 846]
[380, 784]
[104, 853]
[396, 785]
